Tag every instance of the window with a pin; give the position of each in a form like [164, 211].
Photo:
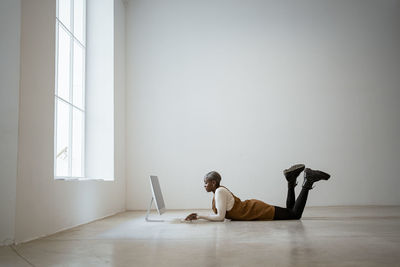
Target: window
[70, 88]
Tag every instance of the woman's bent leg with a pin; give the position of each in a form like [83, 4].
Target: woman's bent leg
[300, 202]
[310, 176]
[284, 214]
[297, 211]
[290, 199]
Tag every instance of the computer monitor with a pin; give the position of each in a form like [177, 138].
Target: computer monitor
[157, 197]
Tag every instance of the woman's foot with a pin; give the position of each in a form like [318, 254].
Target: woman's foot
[315, 175]
[292, 173]
[312, 176]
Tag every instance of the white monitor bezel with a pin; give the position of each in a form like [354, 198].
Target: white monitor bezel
[156, 199]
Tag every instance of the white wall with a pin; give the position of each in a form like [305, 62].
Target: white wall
[119, 96]
[99, 89]
[45, 205]
[248, 88]
[10, 24]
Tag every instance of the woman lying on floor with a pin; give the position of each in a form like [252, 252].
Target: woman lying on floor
[227, 205]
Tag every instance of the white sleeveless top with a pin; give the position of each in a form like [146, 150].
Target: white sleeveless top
[224, 202]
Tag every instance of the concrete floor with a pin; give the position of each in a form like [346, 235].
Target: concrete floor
[325, 236]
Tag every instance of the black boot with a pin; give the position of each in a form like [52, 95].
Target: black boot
[292, 173]
[312, 176]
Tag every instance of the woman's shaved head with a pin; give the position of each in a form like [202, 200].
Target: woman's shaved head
[213, 176]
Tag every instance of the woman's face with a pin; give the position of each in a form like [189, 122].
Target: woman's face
[209, 185]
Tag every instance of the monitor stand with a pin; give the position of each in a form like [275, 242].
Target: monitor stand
[148, 213]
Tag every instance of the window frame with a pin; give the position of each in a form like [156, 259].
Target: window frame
[70, 102]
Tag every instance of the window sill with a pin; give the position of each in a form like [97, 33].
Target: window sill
[81, 179]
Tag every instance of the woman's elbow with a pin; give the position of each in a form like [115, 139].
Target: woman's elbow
[221, 219]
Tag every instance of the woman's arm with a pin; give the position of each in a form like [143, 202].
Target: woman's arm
[220, 204]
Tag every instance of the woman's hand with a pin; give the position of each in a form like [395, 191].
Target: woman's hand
[191, 217]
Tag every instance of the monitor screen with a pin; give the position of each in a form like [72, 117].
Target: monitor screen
[157, 195]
